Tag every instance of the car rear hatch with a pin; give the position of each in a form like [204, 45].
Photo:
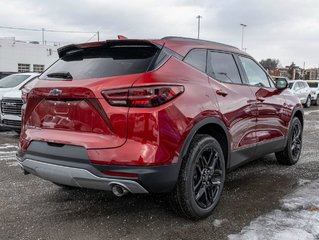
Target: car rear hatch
[66, 105]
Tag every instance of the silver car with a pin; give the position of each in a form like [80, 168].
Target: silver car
[301, 89]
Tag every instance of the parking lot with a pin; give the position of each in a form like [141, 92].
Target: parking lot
[31, 208]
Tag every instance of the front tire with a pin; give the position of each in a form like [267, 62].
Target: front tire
[291, 154]
[308, 102]
[317, 101]
[201, 179]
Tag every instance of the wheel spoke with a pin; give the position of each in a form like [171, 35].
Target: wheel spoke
[206, 197]
[215, 160]
[210, 158]
[198, 184]
[200, 193]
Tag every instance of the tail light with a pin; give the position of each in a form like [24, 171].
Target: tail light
[142, 96]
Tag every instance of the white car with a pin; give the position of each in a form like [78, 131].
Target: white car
[301, 89]
[314, 85]
[10, 99]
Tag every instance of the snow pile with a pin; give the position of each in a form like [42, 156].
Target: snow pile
[8, 154]
[298, 219]
[303, 198]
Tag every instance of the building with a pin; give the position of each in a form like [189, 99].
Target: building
[312, 74]
[18, 56]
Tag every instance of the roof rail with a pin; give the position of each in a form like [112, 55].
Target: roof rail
[195, 40]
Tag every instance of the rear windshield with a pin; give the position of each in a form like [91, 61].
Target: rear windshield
[12, 81]
[102, 62]
[313, 84]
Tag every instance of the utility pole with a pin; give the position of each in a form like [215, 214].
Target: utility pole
[198, 25]
[242, 35]
[42, 36]
[98, 35]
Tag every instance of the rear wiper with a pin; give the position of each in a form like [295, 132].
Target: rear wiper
[64, 75]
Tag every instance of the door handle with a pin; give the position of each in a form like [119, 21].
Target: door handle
[221, 93]
[261, 99]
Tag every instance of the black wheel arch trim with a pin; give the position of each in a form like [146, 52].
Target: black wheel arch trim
[194, 130]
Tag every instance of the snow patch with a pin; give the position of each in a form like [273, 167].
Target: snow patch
[303, 198]
[8, 154]
[219, 222]
[310, 111]
[297, 220]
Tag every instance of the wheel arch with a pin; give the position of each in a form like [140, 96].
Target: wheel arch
[214, 127]
[298, 112]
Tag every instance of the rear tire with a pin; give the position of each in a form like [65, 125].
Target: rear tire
[291, 154]
[316, 103]
[201, 179]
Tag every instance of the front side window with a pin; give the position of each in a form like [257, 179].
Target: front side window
[301, 85]
[197, 58]
[255, 75]
[222, 67]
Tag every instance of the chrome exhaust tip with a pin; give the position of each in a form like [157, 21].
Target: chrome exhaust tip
[119, 190]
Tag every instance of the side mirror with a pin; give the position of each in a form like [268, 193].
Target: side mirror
[281, 84]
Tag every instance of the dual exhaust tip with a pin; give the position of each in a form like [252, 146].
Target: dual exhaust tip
[119, 190]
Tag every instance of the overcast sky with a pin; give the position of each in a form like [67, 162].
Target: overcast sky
[281, 29]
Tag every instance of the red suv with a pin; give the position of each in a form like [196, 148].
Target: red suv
[156, 116]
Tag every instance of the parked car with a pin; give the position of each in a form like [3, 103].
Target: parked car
[301, 89]
[10, 99]
[314, 86]
[156, 116]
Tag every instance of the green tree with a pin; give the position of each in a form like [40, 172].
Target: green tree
[269, 64]
[291, 68]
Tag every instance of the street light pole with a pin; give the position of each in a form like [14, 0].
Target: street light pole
[242, 35]
[198, 25]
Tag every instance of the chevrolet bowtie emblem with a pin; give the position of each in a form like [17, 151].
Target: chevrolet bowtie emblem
[55, 92]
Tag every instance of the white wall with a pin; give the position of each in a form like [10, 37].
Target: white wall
[13, 52]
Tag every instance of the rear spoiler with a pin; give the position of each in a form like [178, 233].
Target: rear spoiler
[62, 51]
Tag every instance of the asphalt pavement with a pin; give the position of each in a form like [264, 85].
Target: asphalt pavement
[31, 208]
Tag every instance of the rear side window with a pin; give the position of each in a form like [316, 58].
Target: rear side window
[222, 67]
[197, 58]
[103, 61]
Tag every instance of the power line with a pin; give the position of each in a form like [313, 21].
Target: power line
[43, 29]
[92, 37]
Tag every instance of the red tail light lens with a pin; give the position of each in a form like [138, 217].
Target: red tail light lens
[142, 96]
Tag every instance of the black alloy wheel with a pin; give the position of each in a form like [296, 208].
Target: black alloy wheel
[201, 179]
[296, 142]
[291, 154]
[207, 177]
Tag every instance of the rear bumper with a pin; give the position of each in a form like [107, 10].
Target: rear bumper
[77, 177]
[70, 165]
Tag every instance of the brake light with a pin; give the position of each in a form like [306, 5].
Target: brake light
[142, 96]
